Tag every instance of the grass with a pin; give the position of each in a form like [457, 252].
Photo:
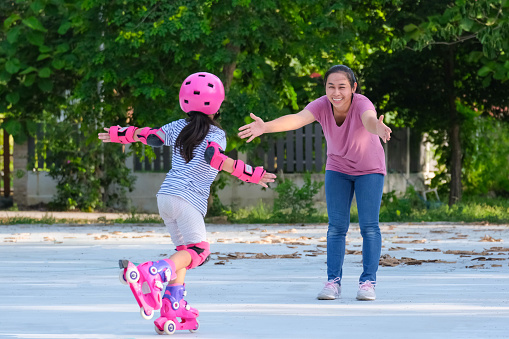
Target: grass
[48, 219]
[409, 208]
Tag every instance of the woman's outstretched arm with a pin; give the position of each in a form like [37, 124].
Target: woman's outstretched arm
[287, 122]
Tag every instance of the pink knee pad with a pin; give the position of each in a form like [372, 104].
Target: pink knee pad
[181, 247]
[199, 254]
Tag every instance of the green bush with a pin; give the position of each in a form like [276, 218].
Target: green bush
[411, 208]
[294, 204]
[486, 157]
[395, 208]
[90, 175]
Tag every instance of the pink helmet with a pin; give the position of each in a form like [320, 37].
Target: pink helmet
[202, 92]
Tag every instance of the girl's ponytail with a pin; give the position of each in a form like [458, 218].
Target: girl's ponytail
[193, 133]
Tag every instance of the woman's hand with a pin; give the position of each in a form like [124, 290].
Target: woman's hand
[382, 130]
[105, 137]
[267, 177]
[252, 130]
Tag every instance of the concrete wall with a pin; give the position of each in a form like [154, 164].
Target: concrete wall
[40, 188]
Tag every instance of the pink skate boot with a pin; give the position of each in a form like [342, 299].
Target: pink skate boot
[174, 306]
[146, 282]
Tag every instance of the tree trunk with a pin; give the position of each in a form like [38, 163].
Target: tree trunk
[229, 68]
[454, 131]
[7, 163]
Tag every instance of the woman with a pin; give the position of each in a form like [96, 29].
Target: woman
[355, 163]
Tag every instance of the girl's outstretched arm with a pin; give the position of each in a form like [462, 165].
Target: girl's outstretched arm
[287, 122]
[215, 156]
[125, 135]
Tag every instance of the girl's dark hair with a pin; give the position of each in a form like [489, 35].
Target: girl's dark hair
[349, 74]
[193, 133]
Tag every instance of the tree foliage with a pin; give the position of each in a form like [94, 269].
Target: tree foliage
[41, 66]
[95, 63]
[37, 64]
[435, 77]
[481, 26]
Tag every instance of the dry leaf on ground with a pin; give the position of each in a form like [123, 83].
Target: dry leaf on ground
[387, 260]
[488, 238]
[421, 241]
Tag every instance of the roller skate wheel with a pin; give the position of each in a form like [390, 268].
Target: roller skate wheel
[197, 327]
[158, 331]
[121, 277]
[187, 307]
[132, 275]
[146, 316]
[169, 327]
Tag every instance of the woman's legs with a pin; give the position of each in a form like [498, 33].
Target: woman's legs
[339, 190]
[368, 194]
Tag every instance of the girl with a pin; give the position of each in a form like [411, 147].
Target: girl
[198, 156]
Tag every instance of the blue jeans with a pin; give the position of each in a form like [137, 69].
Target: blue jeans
[339, 190]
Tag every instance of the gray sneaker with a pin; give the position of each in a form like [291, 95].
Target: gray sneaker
[330, 291]
[366, 291]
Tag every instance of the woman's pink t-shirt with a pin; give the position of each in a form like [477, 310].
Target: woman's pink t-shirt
[351, 149]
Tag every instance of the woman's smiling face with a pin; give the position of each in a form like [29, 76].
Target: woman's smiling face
[339, 91]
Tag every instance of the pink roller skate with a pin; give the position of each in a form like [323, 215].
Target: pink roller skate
[174, 306]
[146, 282]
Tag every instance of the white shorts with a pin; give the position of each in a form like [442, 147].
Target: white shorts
[183, 221]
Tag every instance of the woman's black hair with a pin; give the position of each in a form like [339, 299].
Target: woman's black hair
[349, 74]
[193, 133]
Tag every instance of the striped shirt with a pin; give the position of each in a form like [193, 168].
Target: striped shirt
[191, 181]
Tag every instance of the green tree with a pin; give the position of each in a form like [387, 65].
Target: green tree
[434, 80]
[123, 62]
[486, 157]
[264, 51]
[41, 65]
[37, 62]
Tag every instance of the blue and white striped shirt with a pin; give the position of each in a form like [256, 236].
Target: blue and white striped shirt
[191, 181]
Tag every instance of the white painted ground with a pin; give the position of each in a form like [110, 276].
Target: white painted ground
[62, 282]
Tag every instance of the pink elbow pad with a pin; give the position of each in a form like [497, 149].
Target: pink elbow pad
[214, 155]
[152, 136]
[247, 173]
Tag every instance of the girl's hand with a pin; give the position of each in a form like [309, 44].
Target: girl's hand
[105, 137]
[267, 177]
[252, 130]
[382, 130]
